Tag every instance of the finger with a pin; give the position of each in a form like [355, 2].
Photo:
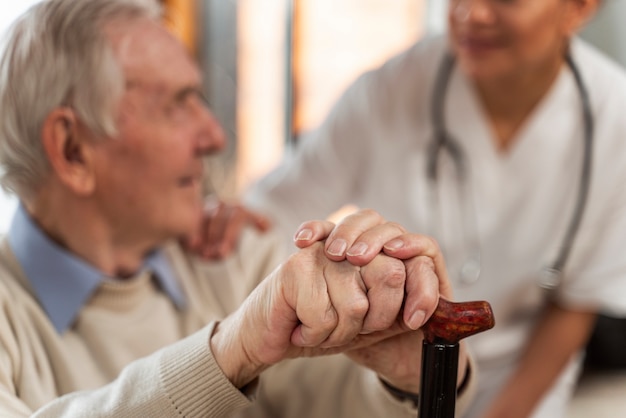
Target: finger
[384, 279]
[422, 291]
[235, 222]
[312, 303]
[215, 221]
[397, 359]
[411, 245]
[195, 242]
[370, 243]
[312, 231]
[349, 298]
[345, 234]
[397, 329]
[259, 221]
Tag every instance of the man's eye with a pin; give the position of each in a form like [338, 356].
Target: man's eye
[191, 97]
[186, 104]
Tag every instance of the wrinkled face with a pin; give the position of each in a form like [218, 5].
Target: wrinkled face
[501, 38]
[148, 178]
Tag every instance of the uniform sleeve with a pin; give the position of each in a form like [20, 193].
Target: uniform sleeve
[595, 274]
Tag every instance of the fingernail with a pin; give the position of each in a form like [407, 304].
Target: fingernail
[337, 247]
[304, 235]
[417, 319]
[395, 244]
[358, 249]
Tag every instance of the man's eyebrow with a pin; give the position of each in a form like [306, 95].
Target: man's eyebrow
[177, 94]
[187, 91]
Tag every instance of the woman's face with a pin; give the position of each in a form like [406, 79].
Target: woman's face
[499, 39]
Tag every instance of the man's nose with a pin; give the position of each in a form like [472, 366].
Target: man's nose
[210, 137]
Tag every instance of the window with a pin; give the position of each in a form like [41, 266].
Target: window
[319, 47]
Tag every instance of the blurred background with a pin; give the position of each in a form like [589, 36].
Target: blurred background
[273, 68]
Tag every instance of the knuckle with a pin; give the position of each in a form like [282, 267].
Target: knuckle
[372, 213]
[397, 226]
[309, 260]
[357, 307]
[384, 272]
[329, 320]
[420, 267]
[395, 274]
[432, 243]
[383, 317]
[379, 323]
[300, 262]
[424, 264]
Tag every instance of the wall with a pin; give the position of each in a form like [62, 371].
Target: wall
[607, 30]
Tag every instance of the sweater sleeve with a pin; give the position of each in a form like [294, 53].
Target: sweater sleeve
[180, 380]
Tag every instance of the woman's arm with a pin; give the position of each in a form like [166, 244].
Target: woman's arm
[559, 335]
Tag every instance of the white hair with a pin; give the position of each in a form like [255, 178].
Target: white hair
[57, 54]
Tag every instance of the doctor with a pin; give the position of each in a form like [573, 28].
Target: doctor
[506, 142]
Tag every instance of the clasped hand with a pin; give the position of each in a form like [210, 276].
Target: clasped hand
[361, 287]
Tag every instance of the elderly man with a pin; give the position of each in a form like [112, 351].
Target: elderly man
[102, 134]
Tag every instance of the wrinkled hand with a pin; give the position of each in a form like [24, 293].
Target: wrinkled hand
[346, 294]
[221, 227]
[396, 357]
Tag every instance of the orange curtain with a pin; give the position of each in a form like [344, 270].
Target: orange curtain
[181, 19]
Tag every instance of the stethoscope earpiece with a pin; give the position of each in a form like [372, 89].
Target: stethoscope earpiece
[470, 271]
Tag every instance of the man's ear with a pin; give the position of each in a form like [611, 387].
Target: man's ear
[580, 12]
[68, 150]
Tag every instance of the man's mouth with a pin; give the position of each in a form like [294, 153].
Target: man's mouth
[189, 181]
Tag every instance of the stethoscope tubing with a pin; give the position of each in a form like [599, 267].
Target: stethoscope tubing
[551, 275]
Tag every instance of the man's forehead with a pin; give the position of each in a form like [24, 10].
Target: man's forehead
[151, 57]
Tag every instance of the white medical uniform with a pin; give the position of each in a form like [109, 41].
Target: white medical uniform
[371, 152]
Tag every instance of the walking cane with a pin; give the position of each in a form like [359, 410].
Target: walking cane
[450, 323]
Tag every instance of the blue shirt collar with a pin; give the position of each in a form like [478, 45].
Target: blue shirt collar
[62, 282]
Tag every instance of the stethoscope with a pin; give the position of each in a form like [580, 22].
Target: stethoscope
[550, 276]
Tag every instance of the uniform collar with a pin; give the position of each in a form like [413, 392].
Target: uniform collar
[61, 281]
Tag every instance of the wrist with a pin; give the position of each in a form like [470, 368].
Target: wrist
[231, 356]
[404, 395]
[401, 394]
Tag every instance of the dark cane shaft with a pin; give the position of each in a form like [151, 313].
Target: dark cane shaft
[450, 323]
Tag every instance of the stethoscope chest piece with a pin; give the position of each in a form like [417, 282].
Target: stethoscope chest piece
[470, 270]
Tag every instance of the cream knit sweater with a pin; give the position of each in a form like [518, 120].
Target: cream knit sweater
[132, 353]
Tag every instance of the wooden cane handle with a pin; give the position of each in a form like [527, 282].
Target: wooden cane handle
[453, 321]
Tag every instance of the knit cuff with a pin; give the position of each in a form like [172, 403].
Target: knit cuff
[194, 382]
